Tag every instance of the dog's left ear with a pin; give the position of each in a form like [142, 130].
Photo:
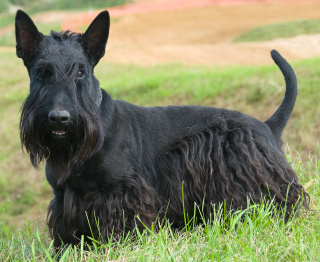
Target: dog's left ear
[27, 36]
[96, 36]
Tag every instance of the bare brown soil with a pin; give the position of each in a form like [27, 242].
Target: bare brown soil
[201, 32]
[150, 32]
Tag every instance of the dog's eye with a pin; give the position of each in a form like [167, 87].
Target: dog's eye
[80, 74]
[43, 73]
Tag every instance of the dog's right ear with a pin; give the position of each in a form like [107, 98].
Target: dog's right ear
[27, 36]
[96, 37]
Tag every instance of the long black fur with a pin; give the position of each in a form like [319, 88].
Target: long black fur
[109, 161]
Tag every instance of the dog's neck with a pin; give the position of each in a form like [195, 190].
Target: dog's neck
[99, 98]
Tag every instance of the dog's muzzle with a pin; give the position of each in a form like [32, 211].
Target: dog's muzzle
[59, 120]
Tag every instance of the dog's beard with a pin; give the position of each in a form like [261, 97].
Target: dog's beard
[88, 137]
[32, 132]
[83, 138]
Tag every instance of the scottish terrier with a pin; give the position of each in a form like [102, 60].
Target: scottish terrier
[109, 161]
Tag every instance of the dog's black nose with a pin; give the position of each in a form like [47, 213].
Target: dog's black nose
[61, 117]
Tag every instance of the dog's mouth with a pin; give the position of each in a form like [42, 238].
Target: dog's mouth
[59, 133]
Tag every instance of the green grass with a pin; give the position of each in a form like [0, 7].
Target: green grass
[260, 236]
[9, 39]
[35, 6]
[258, 91]
[6, 19]
[280, 30]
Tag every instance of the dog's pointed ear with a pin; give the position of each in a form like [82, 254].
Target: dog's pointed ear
[27, 36]
[96, 36]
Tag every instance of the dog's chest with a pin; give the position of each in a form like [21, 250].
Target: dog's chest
[83, 179]
[80, 183]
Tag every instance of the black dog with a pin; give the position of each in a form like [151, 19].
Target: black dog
[109, 161]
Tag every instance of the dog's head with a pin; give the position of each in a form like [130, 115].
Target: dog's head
[61, 114]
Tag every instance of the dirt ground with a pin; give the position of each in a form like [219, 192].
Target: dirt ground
[149, 32]
[201, 32]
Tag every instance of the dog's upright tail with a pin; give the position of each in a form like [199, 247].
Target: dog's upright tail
[278, 120]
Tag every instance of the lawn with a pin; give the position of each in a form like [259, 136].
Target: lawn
[280, 30]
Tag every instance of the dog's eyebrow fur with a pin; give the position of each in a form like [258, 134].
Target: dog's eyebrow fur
[42, 63]
[67, 72]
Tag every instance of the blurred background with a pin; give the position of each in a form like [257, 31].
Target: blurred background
[161, 52]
